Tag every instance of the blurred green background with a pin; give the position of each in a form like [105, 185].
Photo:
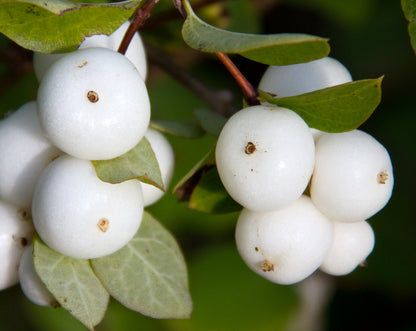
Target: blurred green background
[370, 38]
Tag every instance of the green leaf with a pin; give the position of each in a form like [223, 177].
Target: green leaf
[409, 9]
[186, 185]
[210, 196]
[335, 109]
[272, 49]
[149, 274]
[185, 129]
[60, 26]
[72, 282]
[211, 122]
[138, 163]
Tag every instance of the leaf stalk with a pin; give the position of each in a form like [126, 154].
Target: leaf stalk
[139, 17]
[249, 92]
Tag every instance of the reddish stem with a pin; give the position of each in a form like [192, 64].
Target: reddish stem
[249, 92]
[139, 17]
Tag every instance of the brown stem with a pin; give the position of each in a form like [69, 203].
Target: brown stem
[219, 101]
[249, 92]
[139, 17]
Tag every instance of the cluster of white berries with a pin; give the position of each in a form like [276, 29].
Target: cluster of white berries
[92, 104]
[267, 157]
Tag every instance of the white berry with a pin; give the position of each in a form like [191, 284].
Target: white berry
[93, 104]
[352, 244]
[166, 159]
[353, 177]
[16, 231]
[135, 52]
[265, 157]
[284, 246]
[78, 215]
[30, 283]
[24, 151]
[300, 78]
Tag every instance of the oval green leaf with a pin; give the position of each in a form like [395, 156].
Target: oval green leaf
[409, 9]
[138, 163]
[184, 129]
[58, 26]
[149, 274]
[335, 109]
[211, 122]
[73, 283]
[272, 49]
[209, 195]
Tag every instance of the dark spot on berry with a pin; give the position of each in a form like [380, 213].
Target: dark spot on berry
[250, 148]
[103, 224]
[92, 96]
[82, 65]
[382, 177]
[267, 266]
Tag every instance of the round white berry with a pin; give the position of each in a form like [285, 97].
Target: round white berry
[24, 151]
[93, 104]
[135, 52]
[30, 283]
[78, 215]
[284, 246]
[352, 244]
[300, 78]
[265, 157]
[166, 159]
[16, 231]
[353, 177]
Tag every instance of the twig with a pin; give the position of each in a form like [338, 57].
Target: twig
[249, 92]
[220, 101]
[139, 17]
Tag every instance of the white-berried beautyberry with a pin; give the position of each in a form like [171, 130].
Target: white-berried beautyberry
[135, 52]
[24, 151]
[353, 177]
[287, 245]
[93, 104]
[16, 231]
[78, 215]
[300, 78]
[265, 157]
[31, 284]
[352, 244]
[166, 159]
